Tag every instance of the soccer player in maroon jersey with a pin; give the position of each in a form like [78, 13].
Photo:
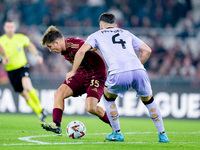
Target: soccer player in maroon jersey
[89, 78]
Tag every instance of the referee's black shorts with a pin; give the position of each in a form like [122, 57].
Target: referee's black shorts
[16, 76]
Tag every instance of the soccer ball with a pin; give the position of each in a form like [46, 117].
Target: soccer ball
[76, 130]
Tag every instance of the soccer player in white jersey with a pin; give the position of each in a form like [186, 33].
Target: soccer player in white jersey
[125, 70]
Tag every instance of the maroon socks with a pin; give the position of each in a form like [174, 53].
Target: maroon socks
[105, 119]
[57, 116]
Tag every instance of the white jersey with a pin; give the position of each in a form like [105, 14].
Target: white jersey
[117, 46]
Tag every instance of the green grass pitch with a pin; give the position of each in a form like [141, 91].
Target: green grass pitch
[23, 132]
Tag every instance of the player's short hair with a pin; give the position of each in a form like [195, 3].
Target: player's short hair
[107, 17]
[9, 20]
[51, 34]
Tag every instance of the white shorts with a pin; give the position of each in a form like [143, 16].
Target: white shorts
[137, 79]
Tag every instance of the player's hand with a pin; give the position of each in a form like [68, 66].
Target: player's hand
[39, 59]
[69, 75]
[6, 60]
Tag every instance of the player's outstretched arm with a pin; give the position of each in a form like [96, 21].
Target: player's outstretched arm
[6, 60]
[33, 49]
[145, 53]
[77, 60]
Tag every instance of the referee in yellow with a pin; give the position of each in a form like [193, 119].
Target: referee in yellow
[14, 59]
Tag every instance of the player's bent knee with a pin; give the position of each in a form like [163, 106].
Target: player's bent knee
[90, 109]
[27, 89]
[149, 101]
[109, 98]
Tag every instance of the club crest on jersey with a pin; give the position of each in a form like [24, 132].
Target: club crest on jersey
[19, 49]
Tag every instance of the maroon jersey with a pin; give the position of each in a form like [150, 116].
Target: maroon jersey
[90, 76]
[92, 63]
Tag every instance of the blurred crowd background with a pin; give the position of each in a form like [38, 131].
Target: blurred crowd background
[170, 27]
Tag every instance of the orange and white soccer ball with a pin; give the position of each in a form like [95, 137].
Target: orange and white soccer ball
[76, 130]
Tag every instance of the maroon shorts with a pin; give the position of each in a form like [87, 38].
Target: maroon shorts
[93, 86]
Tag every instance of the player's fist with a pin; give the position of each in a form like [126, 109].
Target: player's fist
[69, 75]
[6, 60]
[39, 59]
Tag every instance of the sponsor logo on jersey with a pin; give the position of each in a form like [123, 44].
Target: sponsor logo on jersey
[94, 89]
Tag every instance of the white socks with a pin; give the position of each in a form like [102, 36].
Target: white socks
[112, 114]
[155, 114]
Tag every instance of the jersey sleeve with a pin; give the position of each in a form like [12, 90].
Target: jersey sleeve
[136, 42]
[25, 40]
[91, 41]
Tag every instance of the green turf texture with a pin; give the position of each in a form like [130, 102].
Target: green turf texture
[139, 133]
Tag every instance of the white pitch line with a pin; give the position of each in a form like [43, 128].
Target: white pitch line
[37, 142]
[145, 133]
[28, 139]
[86, 143]
[123, 133]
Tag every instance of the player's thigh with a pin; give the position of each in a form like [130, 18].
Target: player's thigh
[91, 103]
[63, 91]
[25, 78]
[117, 84]
[76, 83]
[26, 83]
[94, 87]
[141, 84]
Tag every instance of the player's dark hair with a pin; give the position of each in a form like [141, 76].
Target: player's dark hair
[51, 34]
[9, 20]
[107, 17]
